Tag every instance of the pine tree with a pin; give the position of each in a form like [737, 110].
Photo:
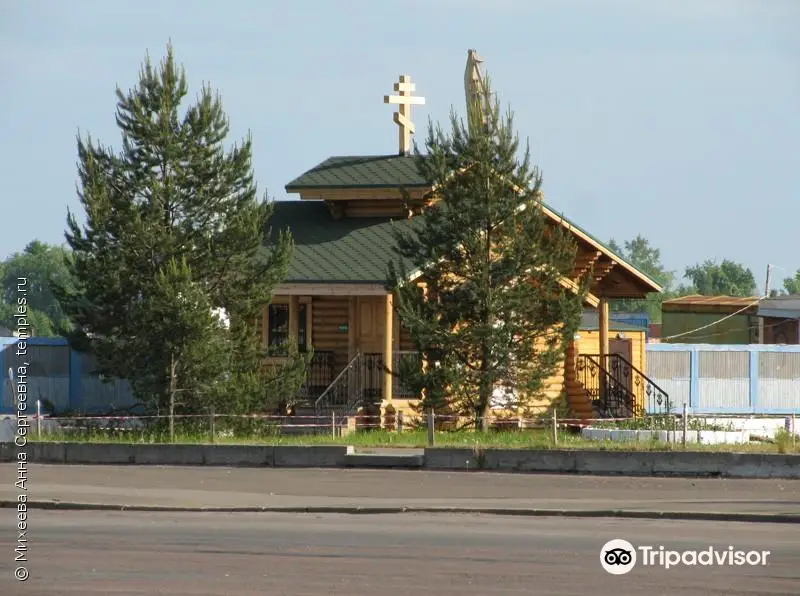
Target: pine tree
[488, 312]
[173, 229]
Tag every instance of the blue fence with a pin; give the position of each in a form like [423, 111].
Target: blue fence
[60, 375]
[728, 379]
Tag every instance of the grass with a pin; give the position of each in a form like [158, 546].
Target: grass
[669, 423]
[521, 439]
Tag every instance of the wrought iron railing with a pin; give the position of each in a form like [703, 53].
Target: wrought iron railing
[656, 400]
[373, 371]
[609, 398]
[319, 375]
[618, 389]
[360, 383]
[344, 394]
[374, 374]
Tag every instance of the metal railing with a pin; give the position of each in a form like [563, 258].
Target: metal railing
[344, 394]
[656, 400]
[610, 397]
[619, 389]
[319, 375]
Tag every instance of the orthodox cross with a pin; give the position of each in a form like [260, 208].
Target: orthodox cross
[402, 117]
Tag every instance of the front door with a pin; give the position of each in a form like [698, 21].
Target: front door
[621, 370]
[370, 326]
[371, 319]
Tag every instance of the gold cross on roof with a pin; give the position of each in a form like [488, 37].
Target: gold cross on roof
[403, 117]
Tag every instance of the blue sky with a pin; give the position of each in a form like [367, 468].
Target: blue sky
[675, 119]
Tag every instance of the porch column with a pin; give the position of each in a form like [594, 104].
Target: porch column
[294, 310]
[603, 327]
[352, 314]
[388, 346]
[603, 324]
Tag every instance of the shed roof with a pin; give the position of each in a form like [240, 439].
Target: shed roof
[716, 300]
[698, 303]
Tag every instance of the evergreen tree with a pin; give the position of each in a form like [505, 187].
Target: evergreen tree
[173, 229]
[488, 312]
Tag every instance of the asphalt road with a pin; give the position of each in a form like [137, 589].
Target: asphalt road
[269, 487]
[133, 553]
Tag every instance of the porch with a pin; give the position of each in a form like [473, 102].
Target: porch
[352, 336]
[360, 382]
[358, 344]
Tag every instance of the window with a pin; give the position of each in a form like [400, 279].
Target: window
[278, 327]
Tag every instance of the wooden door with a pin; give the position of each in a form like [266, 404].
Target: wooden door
[621, 371]
[371, 319]
[370, 326]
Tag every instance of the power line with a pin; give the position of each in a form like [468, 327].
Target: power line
[717, 322]
[748, 328]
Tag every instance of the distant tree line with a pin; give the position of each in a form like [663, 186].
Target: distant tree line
[707, 278]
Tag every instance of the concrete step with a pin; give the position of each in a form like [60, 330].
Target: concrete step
[384, 460]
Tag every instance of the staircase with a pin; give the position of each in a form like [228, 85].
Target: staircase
[578, 398]
[344, 395]
[614, 388]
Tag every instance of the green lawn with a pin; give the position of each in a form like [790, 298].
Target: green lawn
[524, 439]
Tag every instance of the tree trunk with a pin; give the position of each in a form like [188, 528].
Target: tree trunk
[485, 390]
[485, 416]
[173, 386]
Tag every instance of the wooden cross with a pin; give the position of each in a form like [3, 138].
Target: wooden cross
[403, 117]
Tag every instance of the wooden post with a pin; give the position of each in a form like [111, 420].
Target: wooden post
[685, 422]
[388, 347]
[294, 310]
[399, 422]
[555, 428]
[431, 428]
[333, 424]
[212, 427]
[352, 317]
[39, 420]
[603, 325]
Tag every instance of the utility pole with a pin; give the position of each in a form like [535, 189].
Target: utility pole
[766, 285]
[766, 295]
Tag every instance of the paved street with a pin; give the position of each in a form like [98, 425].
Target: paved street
[265, 487]
[132, 553]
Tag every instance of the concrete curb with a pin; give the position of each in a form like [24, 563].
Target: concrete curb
[775, 518]
[685, 464]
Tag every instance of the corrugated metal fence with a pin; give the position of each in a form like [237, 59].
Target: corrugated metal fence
[758, 379]
[60, 375]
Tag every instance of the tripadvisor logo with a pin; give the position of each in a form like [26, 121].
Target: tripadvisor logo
[619, 556]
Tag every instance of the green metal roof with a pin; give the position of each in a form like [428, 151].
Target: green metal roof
[388, 171]
[366, 171]
[328, 250]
